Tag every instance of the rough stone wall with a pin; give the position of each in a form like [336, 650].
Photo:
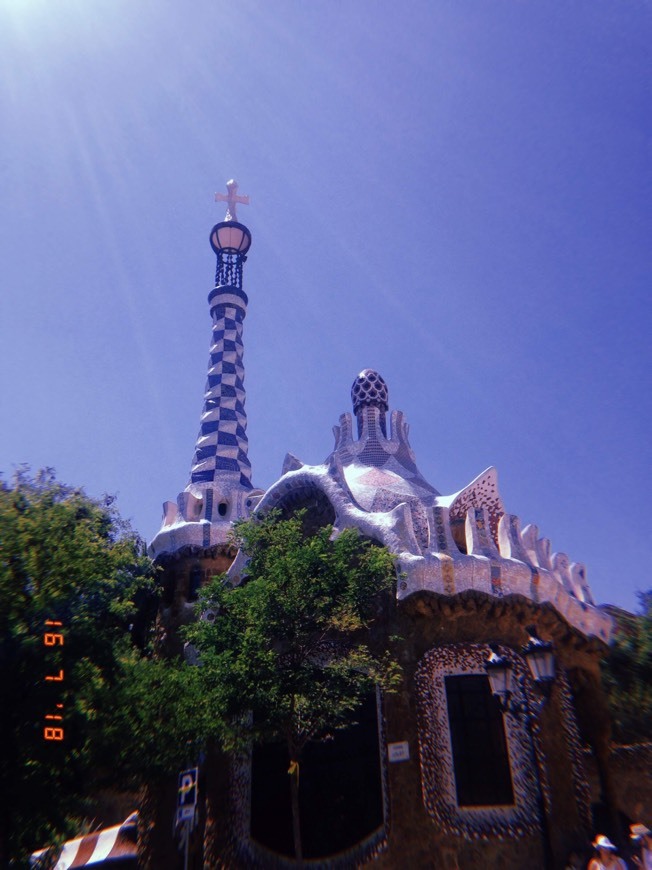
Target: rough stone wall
[182, 573]
[631, 768]
[412, 836]
[415, 839]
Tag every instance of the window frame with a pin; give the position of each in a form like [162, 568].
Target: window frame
[439, 790]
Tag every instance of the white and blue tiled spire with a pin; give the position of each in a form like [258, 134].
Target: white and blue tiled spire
[220, 489]
[222, 441]
[222, 444]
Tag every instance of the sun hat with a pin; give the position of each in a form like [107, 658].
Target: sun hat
[639, 830]
[602, 842]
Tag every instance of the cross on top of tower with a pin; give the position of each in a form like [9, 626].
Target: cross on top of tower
[231, 198]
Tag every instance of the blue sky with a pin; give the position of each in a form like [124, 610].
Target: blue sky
[453, 192]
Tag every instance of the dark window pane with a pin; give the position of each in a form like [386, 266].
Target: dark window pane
[480, 759]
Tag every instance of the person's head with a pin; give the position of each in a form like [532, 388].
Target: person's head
[641, 835]
[604, 847]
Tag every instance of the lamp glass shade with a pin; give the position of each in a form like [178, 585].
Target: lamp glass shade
[499, 671]
[541, 659]
[230, 237]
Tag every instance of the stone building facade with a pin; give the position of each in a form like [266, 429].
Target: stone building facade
[437, 775]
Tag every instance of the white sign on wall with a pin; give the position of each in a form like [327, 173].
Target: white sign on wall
[398, 751]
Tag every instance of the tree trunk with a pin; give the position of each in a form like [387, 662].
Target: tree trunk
[296, 818]
[157, 848]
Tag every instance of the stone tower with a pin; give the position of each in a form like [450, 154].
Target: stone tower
[192, 544]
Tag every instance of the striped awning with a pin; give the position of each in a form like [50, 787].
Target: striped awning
[103, 847]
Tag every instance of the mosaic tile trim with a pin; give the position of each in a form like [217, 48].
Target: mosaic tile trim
[373, 447]
[373, 452]
[251, 854]
[574, 743]
[442, 541]
[386, 500]
[448, 575]
[496, 582]
[534, 586]
[254, 857]
[438, 778]
[481, 492]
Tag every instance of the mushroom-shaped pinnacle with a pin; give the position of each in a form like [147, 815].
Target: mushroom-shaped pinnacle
[369, 390]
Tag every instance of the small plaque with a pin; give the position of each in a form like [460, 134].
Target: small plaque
[398, 751]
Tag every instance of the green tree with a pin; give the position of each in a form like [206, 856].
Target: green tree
[290, 653]
[627, 673]
[160, 719]
[72, 575]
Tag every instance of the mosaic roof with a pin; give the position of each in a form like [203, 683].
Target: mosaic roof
[446, 544]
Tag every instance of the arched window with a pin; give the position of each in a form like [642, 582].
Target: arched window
[340, 791]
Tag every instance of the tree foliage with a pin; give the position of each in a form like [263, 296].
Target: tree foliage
[289, 654]
[161, 717]
[68, 560]
[627, 674]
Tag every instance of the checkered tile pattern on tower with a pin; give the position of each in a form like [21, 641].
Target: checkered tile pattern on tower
[222, 444]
